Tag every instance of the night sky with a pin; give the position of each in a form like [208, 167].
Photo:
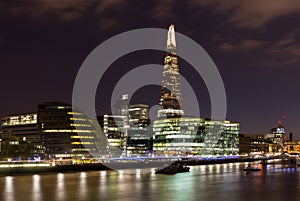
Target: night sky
[255, 45]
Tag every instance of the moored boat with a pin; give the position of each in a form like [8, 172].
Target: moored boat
[173, 169]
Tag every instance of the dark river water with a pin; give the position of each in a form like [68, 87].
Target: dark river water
[206, 182]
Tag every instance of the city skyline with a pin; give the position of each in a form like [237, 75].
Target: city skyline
[254, 46]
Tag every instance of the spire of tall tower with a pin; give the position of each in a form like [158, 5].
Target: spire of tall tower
[171, 43]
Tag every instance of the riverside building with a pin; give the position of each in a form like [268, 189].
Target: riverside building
[69, 134]
[20, 137]
[55, 131]
[272, 142]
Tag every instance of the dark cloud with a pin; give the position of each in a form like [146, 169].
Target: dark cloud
[164, 10]
[257, 13]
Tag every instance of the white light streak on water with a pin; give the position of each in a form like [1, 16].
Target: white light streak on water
[36, 188]
[9, 189]
[60, 187]
[82, 186]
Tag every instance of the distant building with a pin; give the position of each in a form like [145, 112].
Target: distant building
[292, 147]
[20, 137]
[122, 105]
[128, 134]
[263, 143]
[138, 113]
[255, 143]
[139, 133]
[278, 137]
[113, 129]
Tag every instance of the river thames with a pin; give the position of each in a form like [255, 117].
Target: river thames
[205, 182]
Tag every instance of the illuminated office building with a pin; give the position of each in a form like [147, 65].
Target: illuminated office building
[178, 135]
[20, 136]
[68, 134]
[256, 143]
[278, 137]
[188, 135]
[222, 137]
[138, 113]
[113, 129]
[127, 134]
[139, 133]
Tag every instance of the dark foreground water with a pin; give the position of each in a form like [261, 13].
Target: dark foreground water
[207, 183]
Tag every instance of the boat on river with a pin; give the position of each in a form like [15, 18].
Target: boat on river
[173, 169]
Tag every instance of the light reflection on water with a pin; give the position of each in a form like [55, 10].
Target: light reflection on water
[82, 186]
[206, 182]
[9, 189]
[60, 187]
[36, 188]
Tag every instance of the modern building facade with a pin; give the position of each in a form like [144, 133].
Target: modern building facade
[68, 134]
[20, 137]
[128, 131]
[278, 135]
[254, 143]
[189, 136]
[113, 129]
[54, 131]
[139, 133]
[178, 135]
[138, 113]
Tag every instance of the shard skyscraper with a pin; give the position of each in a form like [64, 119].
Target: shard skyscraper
[170, 93]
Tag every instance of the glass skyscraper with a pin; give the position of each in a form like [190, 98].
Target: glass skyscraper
[170, 94]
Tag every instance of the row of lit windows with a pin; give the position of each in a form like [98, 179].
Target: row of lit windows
[78, 119]
[115, 144]
[66, 131]
[80, 149]
[83, 137]
[81, 125]
[82, 143]
[74, 113]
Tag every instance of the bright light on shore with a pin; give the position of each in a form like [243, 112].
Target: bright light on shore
[24, 165]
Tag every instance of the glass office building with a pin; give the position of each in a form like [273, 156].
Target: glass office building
[194, 136]
[69, 134]
[20, 137]
[128, 132]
